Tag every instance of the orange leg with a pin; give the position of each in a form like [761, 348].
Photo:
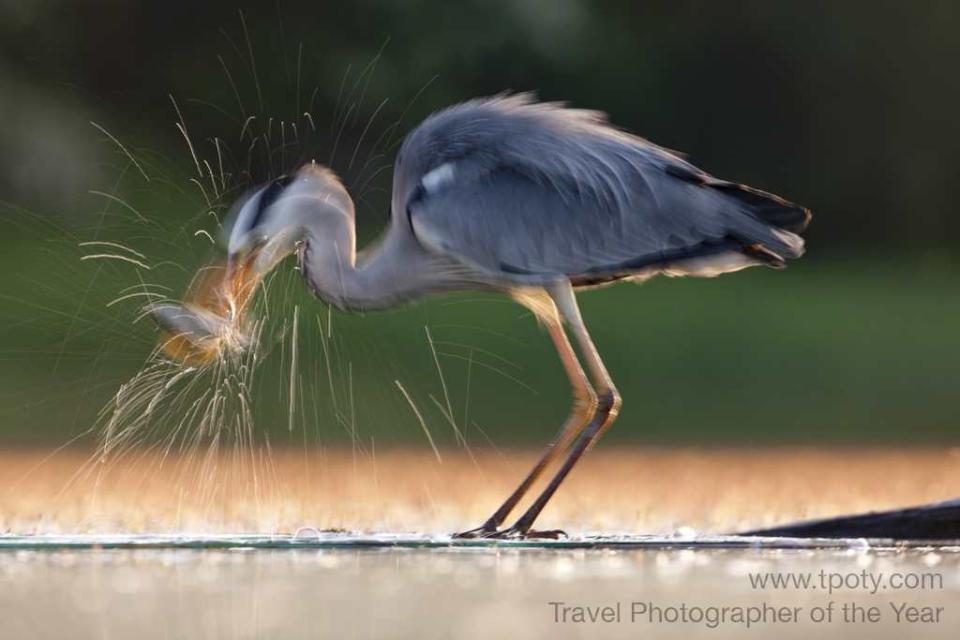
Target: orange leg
[584, 407]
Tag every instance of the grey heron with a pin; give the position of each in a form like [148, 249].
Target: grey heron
[532, 200]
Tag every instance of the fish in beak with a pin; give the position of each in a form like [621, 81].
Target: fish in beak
[213, 316]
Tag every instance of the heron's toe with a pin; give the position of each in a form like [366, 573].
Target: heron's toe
[517, 533]
[479, 532]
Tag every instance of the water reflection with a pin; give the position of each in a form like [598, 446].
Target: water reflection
[465, 592]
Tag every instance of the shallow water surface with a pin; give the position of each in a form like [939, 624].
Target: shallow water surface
[665, 589]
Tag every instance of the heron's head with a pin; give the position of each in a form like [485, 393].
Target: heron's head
[265, 228]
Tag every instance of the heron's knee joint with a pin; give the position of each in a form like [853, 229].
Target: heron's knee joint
[585, 402]
[609, 402]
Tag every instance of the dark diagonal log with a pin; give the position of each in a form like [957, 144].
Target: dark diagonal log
[938, 521]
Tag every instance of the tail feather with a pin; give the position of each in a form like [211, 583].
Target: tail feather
[781, 222]
[772, 209]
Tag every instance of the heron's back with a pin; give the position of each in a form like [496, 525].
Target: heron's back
[535, 192]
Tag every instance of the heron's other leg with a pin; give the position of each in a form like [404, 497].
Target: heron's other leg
[584, 406]
[608, 404]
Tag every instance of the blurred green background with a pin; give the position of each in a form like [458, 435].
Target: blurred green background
[849, 108]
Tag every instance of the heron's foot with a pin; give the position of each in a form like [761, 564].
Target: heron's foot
[480, 532]
[517, 533]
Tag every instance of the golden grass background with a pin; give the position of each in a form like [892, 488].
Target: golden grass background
[648, 490]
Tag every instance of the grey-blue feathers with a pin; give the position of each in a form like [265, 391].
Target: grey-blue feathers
[535, 191]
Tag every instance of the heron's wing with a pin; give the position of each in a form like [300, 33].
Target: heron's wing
[621, 206]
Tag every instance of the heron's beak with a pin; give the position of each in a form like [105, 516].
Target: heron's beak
[239, 281]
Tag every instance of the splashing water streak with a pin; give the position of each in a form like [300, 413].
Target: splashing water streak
[190, 404]
[191, 401]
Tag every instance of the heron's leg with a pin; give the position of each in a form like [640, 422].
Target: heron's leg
[608, 404]
[584, 406]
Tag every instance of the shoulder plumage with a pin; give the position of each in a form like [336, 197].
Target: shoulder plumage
[575, 152]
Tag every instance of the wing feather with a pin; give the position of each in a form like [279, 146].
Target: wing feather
[566, 195]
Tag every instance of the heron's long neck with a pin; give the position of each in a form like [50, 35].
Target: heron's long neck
[387, 275]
